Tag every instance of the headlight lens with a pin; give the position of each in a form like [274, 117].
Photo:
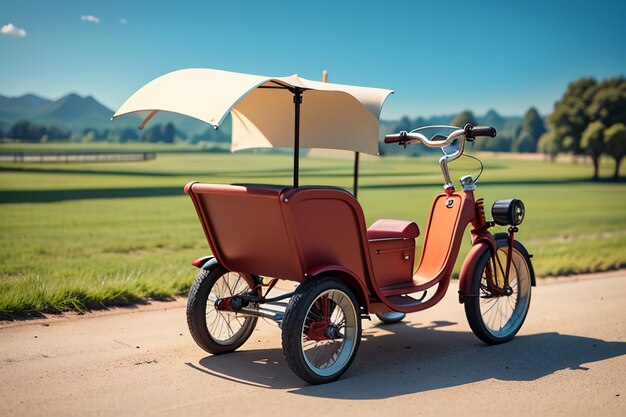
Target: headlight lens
[508, 212]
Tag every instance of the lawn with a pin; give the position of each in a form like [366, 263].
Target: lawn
[83, 236]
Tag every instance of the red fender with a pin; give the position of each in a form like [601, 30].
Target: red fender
[469, 265]
[349, 277]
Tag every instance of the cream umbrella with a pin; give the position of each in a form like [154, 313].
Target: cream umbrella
[268, 111]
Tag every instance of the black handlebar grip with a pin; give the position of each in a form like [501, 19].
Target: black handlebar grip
[478, 131]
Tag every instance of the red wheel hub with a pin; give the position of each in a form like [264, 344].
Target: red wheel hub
[323, 329]
[317, 331]
[224, 304]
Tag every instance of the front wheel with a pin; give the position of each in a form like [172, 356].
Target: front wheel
[321, 330]
[494, 315]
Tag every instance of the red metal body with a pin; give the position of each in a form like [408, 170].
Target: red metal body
[295, 233]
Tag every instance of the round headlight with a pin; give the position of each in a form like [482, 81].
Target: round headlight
[508, 212]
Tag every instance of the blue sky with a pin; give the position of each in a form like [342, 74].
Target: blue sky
[439, 57]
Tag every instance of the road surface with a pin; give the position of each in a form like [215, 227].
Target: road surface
[569, 359]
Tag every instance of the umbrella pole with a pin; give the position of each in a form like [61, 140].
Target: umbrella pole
[297, 99]
[356, 173]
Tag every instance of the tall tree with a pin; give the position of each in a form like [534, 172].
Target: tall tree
[533, 124]
[580, 118]
[59, 133]
[128, 134]
[615, 140]
[525, 143]
[404, 124]
[26, 131]
[592, 142]
[152, 134]
[169, 133]
[464, 118]
[570, 118]
[609, 102]
[160, 133]
[548, 145]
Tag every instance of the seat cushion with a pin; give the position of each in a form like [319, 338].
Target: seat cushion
[393, 229]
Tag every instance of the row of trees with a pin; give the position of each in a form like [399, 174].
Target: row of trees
[160, 133]
[524, 137]
[31, 132]
[589, 119]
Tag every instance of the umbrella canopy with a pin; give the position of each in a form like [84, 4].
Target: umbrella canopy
[329, 116]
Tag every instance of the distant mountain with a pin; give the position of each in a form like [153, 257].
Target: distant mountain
[14, 108]
[79, 113]
[72, 111]
[75, 112]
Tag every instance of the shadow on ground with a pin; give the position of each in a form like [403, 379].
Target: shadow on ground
[421, 358]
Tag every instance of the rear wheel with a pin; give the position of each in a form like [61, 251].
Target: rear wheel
[495, 316]
[214, 330]
[321, 330]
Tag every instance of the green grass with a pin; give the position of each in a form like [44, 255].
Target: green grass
[85, 236]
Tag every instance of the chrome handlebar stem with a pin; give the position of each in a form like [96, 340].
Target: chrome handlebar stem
[446, 158]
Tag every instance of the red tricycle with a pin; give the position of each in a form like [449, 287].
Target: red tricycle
[317, 236]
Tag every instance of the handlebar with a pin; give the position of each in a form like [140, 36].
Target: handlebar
[406, 138]
[468, 133]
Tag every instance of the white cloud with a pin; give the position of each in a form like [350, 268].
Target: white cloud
[123, 21]
[90, 18]
[13, 30]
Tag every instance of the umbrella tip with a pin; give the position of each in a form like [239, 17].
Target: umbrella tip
[324, 76]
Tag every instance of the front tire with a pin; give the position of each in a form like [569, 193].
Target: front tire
[321, 330]
[217, 331]
[497, 318]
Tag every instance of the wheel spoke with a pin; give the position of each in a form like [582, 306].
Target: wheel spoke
[236, 286]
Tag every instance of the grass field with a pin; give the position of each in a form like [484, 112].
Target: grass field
[85, 236]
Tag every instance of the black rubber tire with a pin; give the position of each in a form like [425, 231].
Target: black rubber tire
[472, 304]
[196, 313]
[293, 324]
[396, 318]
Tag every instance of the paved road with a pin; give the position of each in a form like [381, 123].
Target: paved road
[569, 359]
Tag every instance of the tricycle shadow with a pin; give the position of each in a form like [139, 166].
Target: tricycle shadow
[420, 358]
